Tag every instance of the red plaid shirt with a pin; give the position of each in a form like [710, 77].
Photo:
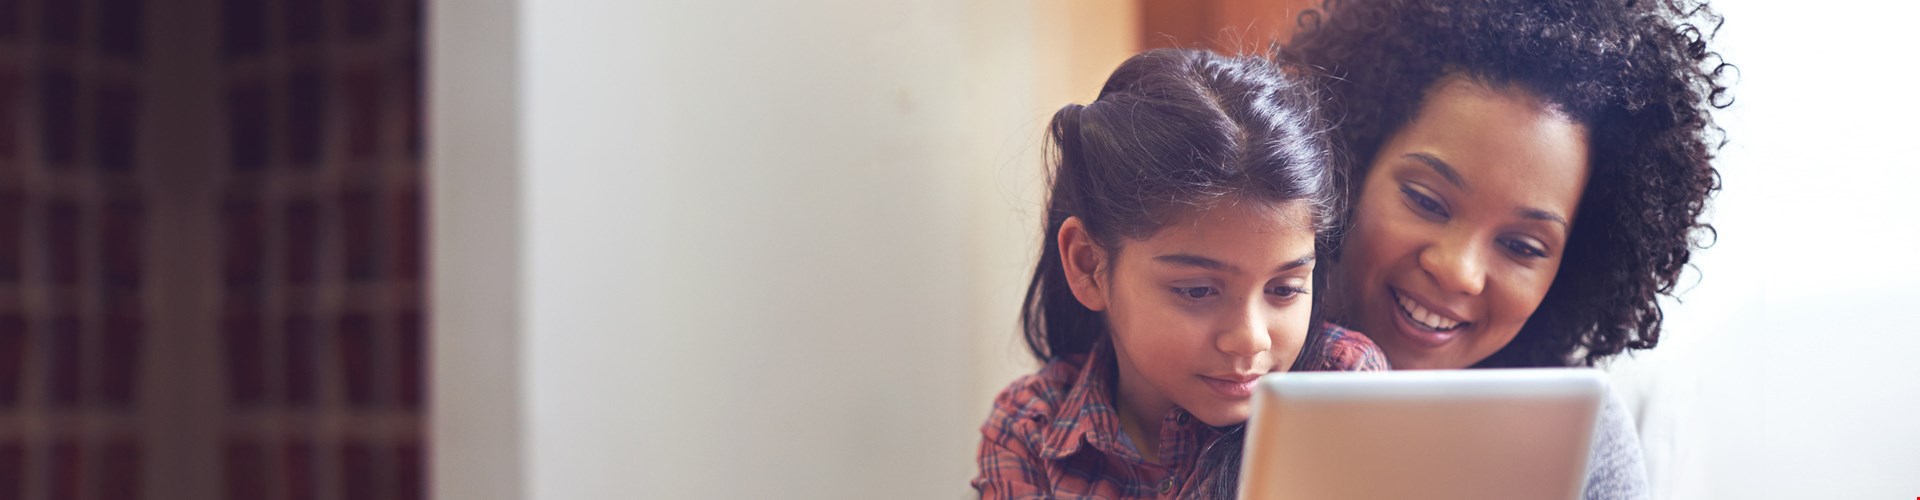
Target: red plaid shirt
[1056, 434]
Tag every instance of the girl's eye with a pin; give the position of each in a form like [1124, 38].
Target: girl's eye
[1426, 203]
[1523, 248]
[1195, 292]
[1287, 292]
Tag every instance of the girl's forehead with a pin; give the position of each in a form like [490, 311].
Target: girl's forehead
[1251, 234]
[1232, 216]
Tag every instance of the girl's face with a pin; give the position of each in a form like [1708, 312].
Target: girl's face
[1201, 308]
[1460, 225]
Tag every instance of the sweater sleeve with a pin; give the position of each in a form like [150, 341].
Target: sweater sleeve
[1617, 470]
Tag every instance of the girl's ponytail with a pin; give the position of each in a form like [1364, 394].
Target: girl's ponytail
[1054, 321]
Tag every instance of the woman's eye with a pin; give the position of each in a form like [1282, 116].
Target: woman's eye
[1195, 292]
[1523, 248]
[1423, 201]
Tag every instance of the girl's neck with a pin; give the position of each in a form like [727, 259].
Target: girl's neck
[1140, 408]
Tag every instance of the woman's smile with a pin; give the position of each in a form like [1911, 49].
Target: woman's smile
[1423, 324]
[1458, 225]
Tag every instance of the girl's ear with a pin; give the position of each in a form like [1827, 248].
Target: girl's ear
[1086, 263]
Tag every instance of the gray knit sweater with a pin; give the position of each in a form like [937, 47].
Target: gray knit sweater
[1617, 470]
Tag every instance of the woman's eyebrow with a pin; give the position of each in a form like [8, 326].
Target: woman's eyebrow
[1442, 167]
[1538, 214]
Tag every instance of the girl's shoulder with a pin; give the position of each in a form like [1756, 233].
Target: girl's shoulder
[1348, 351]
[1038, 396]
[1015, 438]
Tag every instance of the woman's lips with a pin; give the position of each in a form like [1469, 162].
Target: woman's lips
[1420, 334]
[1232, 386]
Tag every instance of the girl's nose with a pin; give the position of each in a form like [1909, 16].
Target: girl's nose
[1246, 334]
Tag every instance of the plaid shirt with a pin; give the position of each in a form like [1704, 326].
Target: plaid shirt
[1056, 434]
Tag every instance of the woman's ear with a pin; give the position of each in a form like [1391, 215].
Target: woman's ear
[1085, 262]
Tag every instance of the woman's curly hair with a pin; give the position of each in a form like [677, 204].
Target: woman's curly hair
[1637, 73]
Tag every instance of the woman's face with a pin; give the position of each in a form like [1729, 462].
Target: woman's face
[1202, 307]
[1460, 225]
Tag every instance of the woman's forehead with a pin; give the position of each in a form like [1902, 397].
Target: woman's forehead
[1500, 141]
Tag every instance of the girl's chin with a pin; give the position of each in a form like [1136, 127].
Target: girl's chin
[1222, 417]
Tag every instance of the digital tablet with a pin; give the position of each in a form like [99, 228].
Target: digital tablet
[1429, 435]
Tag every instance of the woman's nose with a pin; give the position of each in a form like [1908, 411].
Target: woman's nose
[1457, 263]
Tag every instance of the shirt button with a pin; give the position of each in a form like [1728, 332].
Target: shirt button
[1166, 486]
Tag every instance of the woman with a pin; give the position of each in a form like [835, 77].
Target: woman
[1527, 178]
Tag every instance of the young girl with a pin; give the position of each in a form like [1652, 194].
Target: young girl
[1178, 266]
[1529, 179]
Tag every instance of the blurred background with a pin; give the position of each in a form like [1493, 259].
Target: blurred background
[571, 249]
[212, 260]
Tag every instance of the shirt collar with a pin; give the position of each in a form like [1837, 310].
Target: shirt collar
[1088, 415]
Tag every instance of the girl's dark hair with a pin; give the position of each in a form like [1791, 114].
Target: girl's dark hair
[1637, 73]
[1173, 131]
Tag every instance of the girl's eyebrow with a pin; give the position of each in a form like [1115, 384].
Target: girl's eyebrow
[1191, 260]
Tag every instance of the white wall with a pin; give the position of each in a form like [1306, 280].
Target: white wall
[476, 409]
[747, 262]
[1792, 369]
[751, 250]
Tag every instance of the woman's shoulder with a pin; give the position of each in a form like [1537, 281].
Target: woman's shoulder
[1346, 350]
[1617, 470]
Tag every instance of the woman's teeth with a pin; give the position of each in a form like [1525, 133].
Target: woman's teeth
[1425, 317]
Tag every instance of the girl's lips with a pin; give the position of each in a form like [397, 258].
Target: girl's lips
[1236, 387]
